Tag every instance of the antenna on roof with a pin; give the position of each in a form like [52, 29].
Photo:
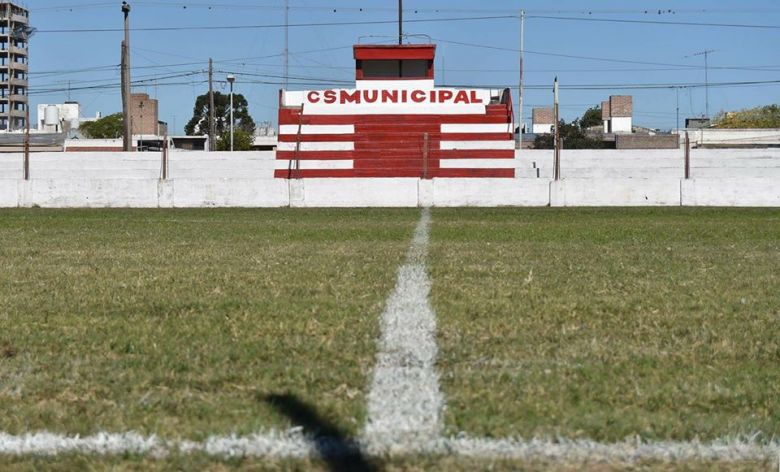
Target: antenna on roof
[400, 22]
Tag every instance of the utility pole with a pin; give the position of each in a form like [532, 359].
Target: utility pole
[126, 90]
[400, 22]
[522, 73]
[677, 90]
[231, 78]
[286, 78]
[26, 164]
[706, 54]
[557, 135]
[212, 114]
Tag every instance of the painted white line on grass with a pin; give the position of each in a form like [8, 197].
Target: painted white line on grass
[51, 444]
[572, 451]
[294, 444]
[405, 403]
[289, 444]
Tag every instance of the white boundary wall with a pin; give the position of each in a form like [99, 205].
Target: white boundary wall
[747, 177]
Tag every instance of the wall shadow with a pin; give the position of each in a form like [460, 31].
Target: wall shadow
[339, 452]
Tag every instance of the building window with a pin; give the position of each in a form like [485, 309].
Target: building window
[387, 69]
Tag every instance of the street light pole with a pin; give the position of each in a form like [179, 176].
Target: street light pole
[231, 78]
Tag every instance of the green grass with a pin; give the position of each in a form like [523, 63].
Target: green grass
[609, 323]
[444, 464]
[181, 322]
[583, 323]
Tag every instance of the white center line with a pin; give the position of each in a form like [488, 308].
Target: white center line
[405, 402]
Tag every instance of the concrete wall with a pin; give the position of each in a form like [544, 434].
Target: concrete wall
[403, 192]
[732, 137]
[197, 179]
[647, 141]
[651, 163]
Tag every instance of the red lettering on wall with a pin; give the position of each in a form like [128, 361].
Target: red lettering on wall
[462, 97]
[330, 96]
[390, 96]
[370, 96]
[347, 97]
[343, 97]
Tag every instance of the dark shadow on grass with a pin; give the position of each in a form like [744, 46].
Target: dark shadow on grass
[337, 450]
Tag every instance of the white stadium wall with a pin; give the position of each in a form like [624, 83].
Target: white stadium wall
[719, 177]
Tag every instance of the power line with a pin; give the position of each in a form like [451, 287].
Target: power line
[654, 22]
[603, 59]
[272, 26]
[648, 86]
[340, 8]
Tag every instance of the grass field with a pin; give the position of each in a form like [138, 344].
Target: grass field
[606, 324]
[575, 323]
[185, 323]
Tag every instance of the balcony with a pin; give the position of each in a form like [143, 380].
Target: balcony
[17, 50]
[17, 82]
[16, 18]
[13, 98]
[15, 66]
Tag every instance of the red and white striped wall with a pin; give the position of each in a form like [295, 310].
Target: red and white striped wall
[416, 139]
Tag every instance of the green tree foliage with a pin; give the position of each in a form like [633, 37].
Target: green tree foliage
[242, 141]
[591, 117]
[573, 136]
[199, 124]
[759, 117]
[108, 127]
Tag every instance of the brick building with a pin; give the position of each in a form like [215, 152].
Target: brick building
[144, 115]
[543, 120]
[617, 114]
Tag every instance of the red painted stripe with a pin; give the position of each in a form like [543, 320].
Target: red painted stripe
[399, 135]
[288, 118]
[411, 152]
[417, 172]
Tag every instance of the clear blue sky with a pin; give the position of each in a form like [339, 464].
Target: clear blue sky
[627, 53]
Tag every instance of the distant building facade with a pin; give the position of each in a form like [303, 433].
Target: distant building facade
[14, 35]
[617, 114]
[543, 120]
[144, 115]
[58, 117]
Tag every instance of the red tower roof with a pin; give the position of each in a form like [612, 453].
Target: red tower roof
[394, 52]
[396, 62]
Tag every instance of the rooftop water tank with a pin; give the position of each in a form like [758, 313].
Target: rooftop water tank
[52, 116]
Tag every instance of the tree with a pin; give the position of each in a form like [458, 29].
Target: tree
[242, 141]
[591, 117]
[199, 124]
[108, 127]
[573, 137]
[759, 117]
